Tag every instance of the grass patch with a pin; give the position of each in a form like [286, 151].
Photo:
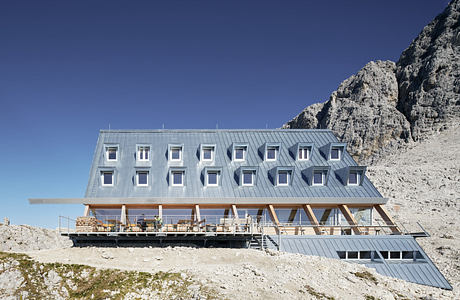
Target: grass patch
[316, 294]
[84, 282]
[367, 276]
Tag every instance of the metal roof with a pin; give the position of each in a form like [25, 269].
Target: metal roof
[194, 188]
[421, 271]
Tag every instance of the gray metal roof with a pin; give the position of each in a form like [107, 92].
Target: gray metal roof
[256, 140]
[422, 271]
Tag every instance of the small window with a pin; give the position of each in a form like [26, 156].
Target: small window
[176, 153]
[248, 178]
[304, 153]
[384, 254]
[143, 153]
[271, 153]
[111, 153]
[407, 255]
[336, 153]
[283, 178]
[213, 178]
[239, 153]
[353, 178]
[342, 254]
[364, 254]
[142, 178]
[395, 254]
[207, 154]
[352, 255]
[107, 178]
[177, 178]
[318, 178]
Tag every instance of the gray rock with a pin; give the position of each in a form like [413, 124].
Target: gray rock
[386, 105]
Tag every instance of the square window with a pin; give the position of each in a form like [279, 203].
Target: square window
[304, 153]
[384, 254]
[107, 178]
[239, 153]
[352, 254]
[176, 153]
[248, 178]
[395, 255]
[335, 153]
[318, 178]
[212, 178]
[207, 153]
[111, 153]
[353, 178]
[283, 178]
[178, 178]
[271, 153]
[365, 254]
[143, 153]
[142, 178]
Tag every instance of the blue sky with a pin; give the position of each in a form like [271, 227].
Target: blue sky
[70, 68]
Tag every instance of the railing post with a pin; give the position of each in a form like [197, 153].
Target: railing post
[59, 224]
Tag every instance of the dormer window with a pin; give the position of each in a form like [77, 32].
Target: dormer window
[239, 154]
[142, 178]
[111, 153]
[319, 178]
[177, 178]
[304, 153]
[336, 153]
[354, 178]
[271, 154]
[143, 153]
[212, 178]
[207, 153]
[248, 178]
[107, 178]
[175, 154]
[283, 178]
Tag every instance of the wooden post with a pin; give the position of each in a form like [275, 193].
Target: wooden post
[235, 216]
[274, 217]
[387, 218]
[86, 213]
[312, 217]
[226, 213]
[123, 216]
[350, 219]
[259, 214]
[197, 213]
[160, 211]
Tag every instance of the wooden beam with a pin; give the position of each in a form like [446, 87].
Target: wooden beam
[350, 219]
[387, 218]
[259, 214]
[274, 217]
[226, 213]
[309, 212]
[235, 212]
[86, 213]
[292, 215]
[160, 211]
[325, 216]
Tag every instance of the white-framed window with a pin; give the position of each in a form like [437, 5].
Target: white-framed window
[271, 154]
[175, 154]
[354, 178]
[207, 154]
[355, 255]
[248, 178]
[336, 153]
[283, 178]
[239, 154]
[107, 178]
[143, 153]
[304, 153]
[111, 153]
[212, 178]
[318, 178]
[177, 178]
[142, 178]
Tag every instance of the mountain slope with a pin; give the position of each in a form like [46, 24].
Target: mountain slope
[387, 105]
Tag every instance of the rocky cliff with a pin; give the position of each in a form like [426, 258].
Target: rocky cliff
[387, 105]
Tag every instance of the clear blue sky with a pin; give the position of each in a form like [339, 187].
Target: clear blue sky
[70, 68]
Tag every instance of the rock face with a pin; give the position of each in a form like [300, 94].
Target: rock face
[27, 238]
[387, 105]
[429, 75]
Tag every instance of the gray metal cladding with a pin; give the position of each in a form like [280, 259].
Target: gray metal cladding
[421, 271]
[159, 165]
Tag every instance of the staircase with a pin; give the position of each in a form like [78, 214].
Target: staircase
[257, 242]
